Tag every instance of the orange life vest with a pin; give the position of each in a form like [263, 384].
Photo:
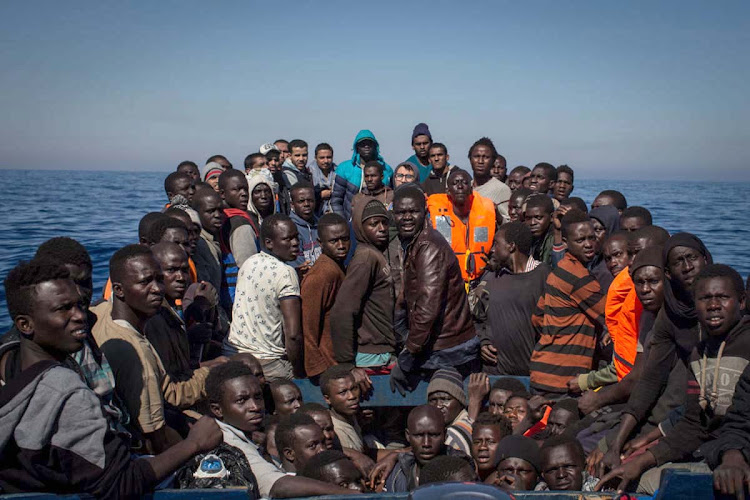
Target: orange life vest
[469, 241]
[623, 317]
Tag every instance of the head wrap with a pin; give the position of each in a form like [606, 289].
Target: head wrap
[211, 169]
[649, 256]
[421, 129]
[519, 447]
[374, 209]
[677, 300]
[608, 216]
[450, 381]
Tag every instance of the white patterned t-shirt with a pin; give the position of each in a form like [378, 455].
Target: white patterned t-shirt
[262, 283]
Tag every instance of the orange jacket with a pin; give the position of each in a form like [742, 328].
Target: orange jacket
[470, 242]
[623, 316]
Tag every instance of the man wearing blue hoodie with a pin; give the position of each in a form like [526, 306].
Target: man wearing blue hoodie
[349, 173]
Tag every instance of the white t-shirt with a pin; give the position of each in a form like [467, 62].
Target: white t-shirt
[262, 283]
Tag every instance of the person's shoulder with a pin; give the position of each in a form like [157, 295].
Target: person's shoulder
[63, 380]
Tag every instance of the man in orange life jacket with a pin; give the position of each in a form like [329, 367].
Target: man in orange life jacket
[466, 220]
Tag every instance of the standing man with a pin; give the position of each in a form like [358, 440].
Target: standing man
[436, 182]
[303, 215]
[323, 176]
[482, 156]
[295, 166]
[283, 147]
[207, 256]
[421, 140]
[564, 183]
[266, 314]
[441, 331]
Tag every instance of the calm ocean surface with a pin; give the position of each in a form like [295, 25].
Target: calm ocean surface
[102, 210]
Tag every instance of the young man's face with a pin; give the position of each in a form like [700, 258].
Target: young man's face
[375, 230]
[515, 208]
[501, 251]
[213, 181]
[718, 305]
[324, 159]
[178, 236]
[497, 400]
[142, 286]
[285, 241]
[299, 157]
[632, 223]
[273, 160]
[176, 271]
[82, 277]
[648, 282]
[303, 203]
[540, 182]
[601, 200]
[403, 175]
[459, 188]
[615, 253]
[563, 186]
[235, 192]
[343, 396]
[308, 442]
[684, 264]
[409, 215]
[367, 150]
[185, 187]
[449, 406]
[515, 410]
[562, 469]
[421, 145]
[558, 421]
[335, 242]
[241, 404]
[209, 213]
[426, 436]
[345, 475]
[286, 398]
[515, 180]
[600, 231]
[481, 159]
[325, 422]
[373, 179]
[499, 170]
[522, 469]
[191, 171]
[57, 322]
[438, 158]
[262, 197]
[538, 220]
[259, 163]
[484, 441]
[581, 241]
[283, 150]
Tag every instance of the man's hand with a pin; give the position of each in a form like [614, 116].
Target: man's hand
[208, 291]
[589, 402]
[593, 462]
[479, 386]
[635, 444]
[361, 461]
[399, 380]
[214, 362]
[303, 269]
[362, 379]
[205, 435]
[628, 472]
[610, 460]
[325, 194]
[573, 386]
[381, 471]
[488, 354]
[508, 482]
[732, 477]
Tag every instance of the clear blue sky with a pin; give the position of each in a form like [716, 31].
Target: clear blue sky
[612, 88]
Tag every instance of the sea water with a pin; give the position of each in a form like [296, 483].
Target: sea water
[102, 210]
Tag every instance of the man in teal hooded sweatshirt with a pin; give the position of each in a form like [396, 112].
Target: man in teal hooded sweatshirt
[349, 173]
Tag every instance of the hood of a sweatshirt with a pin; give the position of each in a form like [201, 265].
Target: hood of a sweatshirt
[253, 180]
[365, 134]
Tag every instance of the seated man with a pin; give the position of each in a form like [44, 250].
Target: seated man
[236, 400]
[298, 439]
[341, 392]
[333, 467]
[141, 381]
[322, 416]
[55, 435]
[518, 464]
[425, 432]
[448, 469]
[563, 465]
[287, 398]
[488, 431]
[446, 393]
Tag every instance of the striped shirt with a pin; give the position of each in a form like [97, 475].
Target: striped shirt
[568, 318]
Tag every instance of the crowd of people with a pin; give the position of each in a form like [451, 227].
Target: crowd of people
[635, 344]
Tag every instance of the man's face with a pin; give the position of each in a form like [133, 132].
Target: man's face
[421, 145]
[376, 231]
[600, 231]
[57, 322]
[438, 158]
[259, 163]
[283, 150]
[273, 160]
[581, 241]
[632, 223]
[324, 158]
[499, 169]
[515, 180]
[335, 242]
[558, 421]
[409, 215]
[191, 171]
[561, 469]
[285, 241]
[373, 179]
[241, 404]
[449, 406]
[515, 208]
[82, 277]
[263, 198]
[343, 396]
[649, 287]
[345, 475]
[635, 246]
[174, 266]
[213, 181]
[308, 442]
[185, 187]
[403, 175]
[563, 186]
[459, 188]
[209, 214]
[601, 200]
[426, 436]
[481, 160]
[299, 158]
[484, 441]
[178, 236]
[538, 220]
[684, 264]
[540, 181]
[286, 398]
[718, 305]
[235, 192]
[303, 203]
[616, 255]
[497, 400]
[142, 287]
[522, 469]
[501, 251]
[325, 422]
[515, 410]
[367, 149]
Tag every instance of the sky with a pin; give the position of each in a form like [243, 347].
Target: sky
[622, 90]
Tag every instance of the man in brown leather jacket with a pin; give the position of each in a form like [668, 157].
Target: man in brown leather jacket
[441, 331]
